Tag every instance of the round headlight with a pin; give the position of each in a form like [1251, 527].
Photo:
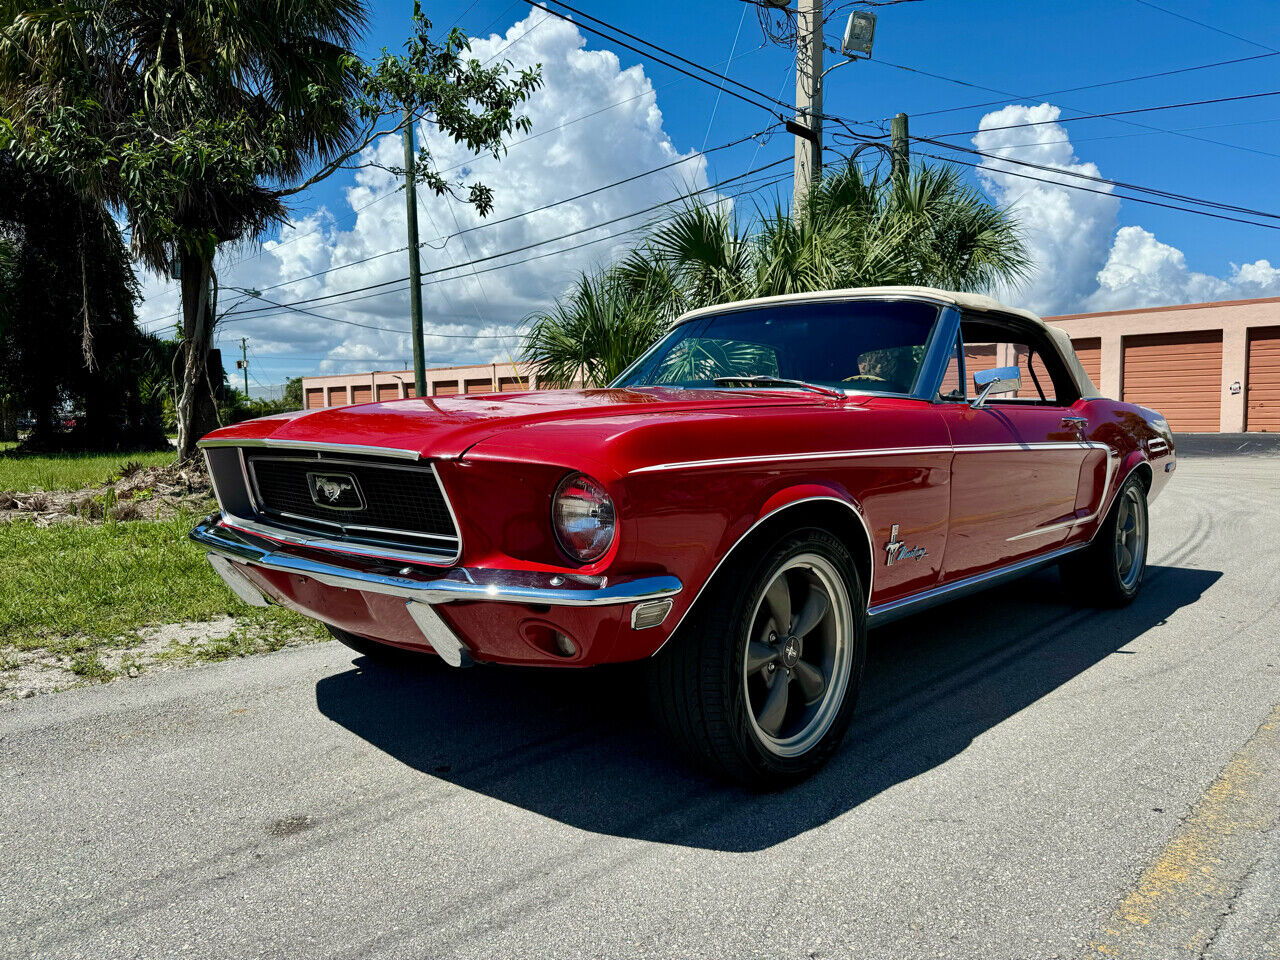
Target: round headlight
[583, 517]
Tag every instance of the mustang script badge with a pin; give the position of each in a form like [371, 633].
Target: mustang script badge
[895, 549]
[337, 491]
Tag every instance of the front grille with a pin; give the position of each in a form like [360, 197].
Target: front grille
[391, 504]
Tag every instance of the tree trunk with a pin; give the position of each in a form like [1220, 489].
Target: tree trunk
[8, 420]
[196, 407]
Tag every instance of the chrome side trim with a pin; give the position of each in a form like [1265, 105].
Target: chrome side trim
[309, 446]
[888, 612]
[879, 452]
[854, 508]
[459, 584]
[1106, 493]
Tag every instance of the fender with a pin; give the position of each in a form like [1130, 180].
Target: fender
[1132, 463]
[773, 506]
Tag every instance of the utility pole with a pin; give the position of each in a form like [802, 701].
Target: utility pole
[244, 363]
[808, 100]
[899, 147]
[415, 269]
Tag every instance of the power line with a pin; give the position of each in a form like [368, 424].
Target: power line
[763, 183]
[1168, 195]
[1105, 193]
[1207, 26]
[1018, 96]
[539, 243]
[709, 80]
[524, 213]
[1116, 113]
[1087, 86]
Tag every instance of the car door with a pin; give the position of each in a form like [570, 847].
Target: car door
[1019, 468]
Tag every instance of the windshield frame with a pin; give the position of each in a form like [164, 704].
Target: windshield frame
[937, 353]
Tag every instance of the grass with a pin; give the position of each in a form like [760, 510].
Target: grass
[74, 589]
[21, 473]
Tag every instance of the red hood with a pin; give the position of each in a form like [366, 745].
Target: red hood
[446, 427]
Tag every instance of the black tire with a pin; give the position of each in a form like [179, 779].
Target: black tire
[1098, 575]
[383, 653]
[708, 694]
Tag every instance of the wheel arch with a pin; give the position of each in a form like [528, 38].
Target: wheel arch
[793, 510]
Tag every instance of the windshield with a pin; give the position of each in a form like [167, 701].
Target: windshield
[873, 346]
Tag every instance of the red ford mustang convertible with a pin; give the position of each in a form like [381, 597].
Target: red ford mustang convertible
[769, 480]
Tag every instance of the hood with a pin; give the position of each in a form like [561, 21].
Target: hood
[446, 427]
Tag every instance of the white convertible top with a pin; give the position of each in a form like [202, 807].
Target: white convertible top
[970, 302]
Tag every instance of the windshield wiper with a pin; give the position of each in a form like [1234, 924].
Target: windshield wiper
[767, 381]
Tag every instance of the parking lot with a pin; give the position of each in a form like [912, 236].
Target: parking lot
[1025, 777]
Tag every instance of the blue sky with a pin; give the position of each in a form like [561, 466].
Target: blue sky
[992, 53]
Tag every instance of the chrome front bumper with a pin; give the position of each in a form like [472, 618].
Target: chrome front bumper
[460, 583]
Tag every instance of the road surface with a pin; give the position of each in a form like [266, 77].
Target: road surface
[1024, 778]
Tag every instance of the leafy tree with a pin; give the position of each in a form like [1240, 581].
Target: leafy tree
[856, 230]
[293, 393]
[200, 119]
[68, 336]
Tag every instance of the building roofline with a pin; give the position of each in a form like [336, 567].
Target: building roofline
[1172, 306]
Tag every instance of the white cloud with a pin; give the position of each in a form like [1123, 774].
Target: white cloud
[1082, 262]
[1067, 231]
[557, 163]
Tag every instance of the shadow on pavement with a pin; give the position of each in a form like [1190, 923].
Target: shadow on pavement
[579, 747]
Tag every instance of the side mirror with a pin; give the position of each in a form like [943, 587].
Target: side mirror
[995, 381]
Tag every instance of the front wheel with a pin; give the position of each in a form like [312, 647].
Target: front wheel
[1109, 571]
[761, 683]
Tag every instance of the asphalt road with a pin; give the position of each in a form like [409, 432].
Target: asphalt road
[1025, 778]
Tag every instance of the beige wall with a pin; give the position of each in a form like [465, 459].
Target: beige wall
[1234, 318]
[339, 389]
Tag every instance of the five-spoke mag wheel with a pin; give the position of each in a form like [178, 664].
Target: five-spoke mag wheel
[796, 664]
[1131, 536]
[761, 680]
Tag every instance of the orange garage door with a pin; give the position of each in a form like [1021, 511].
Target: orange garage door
[1178, 374]
[362, 394]
[388, 391]
[1089, 350]
[1263, 398]
[315, 398]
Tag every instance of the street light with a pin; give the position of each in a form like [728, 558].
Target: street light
[859, 33]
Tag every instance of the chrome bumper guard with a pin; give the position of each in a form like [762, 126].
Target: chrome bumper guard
[459, 584]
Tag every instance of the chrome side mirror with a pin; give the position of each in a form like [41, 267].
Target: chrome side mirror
[995, 381]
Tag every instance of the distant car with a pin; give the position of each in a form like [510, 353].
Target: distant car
[769, 480]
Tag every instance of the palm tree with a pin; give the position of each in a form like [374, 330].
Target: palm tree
[928, 228]
[199, 119]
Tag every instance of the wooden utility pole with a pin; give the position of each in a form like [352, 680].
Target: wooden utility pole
[244, 363]
[899, 147]
[415, 268]
[808, 99]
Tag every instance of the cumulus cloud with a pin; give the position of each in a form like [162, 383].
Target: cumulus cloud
[1082, 261]
[567, 152]
[1067, 231]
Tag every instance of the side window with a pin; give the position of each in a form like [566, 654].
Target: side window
[988, 345]
[953, 381]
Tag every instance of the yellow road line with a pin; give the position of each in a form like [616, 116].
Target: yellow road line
[1179, 901]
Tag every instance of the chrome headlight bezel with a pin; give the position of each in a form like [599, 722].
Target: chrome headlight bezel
[583, 518]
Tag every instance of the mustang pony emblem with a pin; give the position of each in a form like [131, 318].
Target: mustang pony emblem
[894, 549]
[337, 491]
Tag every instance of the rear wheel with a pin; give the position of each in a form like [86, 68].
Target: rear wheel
[761, 683]
[383, 653]
[1109, 571]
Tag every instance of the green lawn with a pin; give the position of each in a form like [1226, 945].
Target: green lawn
[72, 471]
[76, 588]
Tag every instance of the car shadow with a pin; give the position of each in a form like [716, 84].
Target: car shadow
[580, 746]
